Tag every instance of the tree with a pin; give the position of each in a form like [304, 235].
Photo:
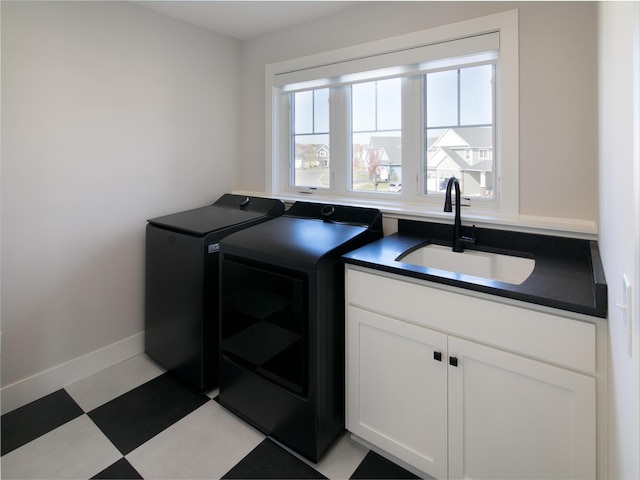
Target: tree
[374, 161]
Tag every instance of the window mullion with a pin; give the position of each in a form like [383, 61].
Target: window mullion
[412, 137]
[285, 140]
[458, 123]
[339, 126]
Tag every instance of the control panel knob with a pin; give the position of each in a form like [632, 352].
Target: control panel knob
[327, 211]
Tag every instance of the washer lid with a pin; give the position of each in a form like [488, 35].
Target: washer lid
[228, 211]
[204, 220]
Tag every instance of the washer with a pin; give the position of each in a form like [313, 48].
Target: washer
[181, 288]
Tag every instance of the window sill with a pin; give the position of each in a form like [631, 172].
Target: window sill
[394, 210]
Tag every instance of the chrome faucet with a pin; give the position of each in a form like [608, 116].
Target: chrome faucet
[459, 242]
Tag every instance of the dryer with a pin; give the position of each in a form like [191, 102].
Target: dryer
[282, 322]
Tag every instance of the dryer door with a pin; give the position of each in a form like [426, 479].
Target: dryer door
[264, 321]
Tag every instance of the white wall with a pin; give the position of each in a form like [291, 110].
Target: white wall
[619, 237]
[558, 85]
[111, 114]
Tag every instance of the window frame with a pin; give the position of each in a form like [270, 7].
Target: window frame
[291, 134]
[349, 187]
[480, 202]
[506, 124]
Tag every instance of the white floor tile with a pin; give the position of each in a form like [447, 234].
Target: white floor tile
[108, 384]
[205, 444]
[343, 458]
[77, 449]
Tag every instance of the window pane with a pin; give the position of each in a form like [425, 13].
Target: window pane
[389, 112]
[442, 99]
[447, 157]
[476, 99]
[363, 99]
[321, 110]
[377, 162]
[376, 136]
[463, 145]
[303, 112]
[310, 160]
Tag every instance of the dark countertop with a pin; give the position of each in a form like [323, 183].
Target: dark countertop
[568, 273]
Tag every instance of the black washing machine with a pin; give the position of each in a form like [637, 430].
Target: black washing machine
[181, 290]
[282, 322]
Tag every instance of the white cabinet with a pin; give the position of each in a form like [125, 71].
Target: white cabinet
[455, 407]
[513, 417]
[396, 391]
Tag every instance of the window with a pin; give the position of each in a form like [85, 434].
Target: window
[376, 135]
[459, 126]
[359, 122]
[310, 139]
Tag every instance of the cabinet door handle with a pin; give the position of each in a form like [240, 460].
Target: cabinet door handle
[453, 361]
[437, 356]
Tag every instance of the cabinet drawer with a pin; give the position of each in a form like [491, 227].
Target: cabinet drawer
[555, 339]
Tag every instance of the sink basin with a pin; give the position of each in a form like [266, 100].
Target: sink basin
[493, 266]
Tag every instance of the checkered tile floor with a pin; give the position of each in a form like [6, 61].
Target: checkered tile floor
[135, 421]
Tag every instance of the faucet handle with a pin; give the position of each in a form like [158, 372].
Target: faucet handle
[470, 240]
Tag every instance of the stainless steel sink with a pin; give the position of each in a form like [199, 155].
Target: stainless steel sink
[493, 266]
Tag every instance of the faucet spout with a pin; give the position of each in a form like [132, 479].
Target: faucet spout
[458, 240]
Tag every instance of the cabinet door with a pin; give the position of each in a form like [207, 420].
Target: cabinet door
[512, 417]
[397, 389]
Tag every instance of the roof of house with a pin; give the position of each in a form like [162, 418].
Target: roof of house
[483, 166]
[475, 137]
[392, 146]
[480, 137]
[456, 157]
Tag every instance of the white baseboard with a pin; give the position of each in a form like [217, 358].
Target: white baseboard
[37, 386]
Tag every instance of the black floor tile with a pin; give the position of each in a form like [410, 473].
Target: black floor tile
[140, 414]
[121, 470]
[376, 467]
[29, 422]
[269, 461]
